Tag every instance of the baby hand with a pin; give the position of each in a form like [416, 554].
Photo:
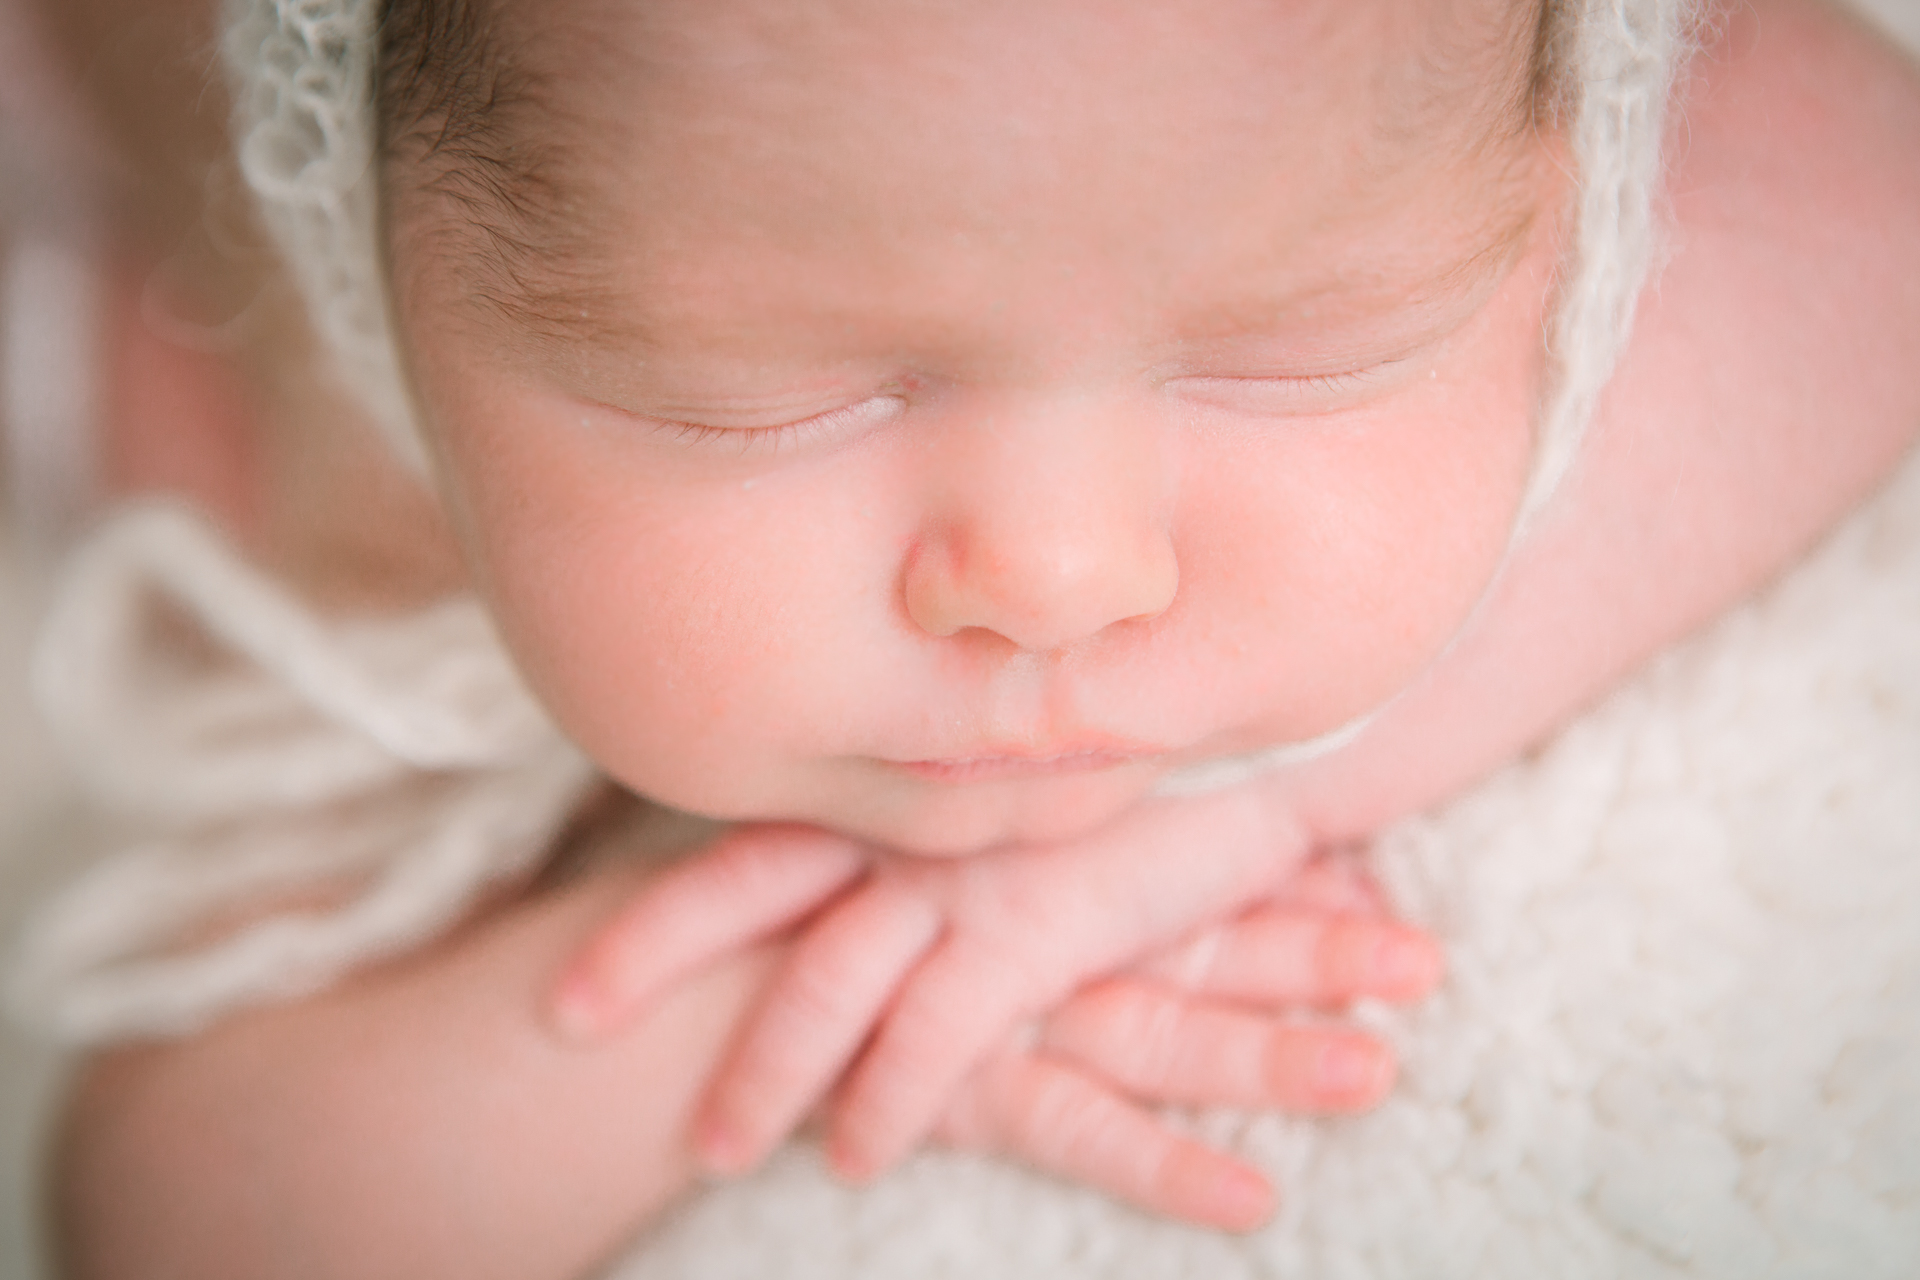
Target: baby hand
[938, 961]
[1195, 1027]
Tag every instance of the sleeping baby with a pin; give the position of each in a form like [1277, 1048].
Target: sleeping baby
[1047, 477]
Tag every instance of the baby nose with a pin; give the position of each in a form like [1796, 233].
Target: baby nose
[1049, 533]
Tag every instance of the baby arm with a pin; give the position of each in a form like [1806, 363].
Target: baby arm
[417, 1120]
[421, 1119]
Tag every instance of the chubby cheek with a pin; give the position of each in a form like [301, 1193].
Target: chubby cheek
[691, 635]
[1334, 560]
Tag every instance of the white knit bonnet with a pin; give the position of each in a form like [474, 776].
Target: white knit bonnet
[302, 72]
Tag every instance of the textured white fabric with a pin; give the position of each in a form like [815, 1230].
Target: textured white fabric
[210, 741]
[397, 765]
[1680, 1035]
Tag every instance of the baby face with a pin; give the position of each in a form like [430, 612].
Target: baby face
[940, 421]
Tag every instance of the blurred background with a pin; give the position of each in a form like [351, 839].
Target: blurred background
[86, 143]
[50, 168]
[77, 165]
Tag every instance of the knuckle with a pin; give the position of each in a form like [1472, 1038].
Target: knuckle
[1154, 1042]
[1197, 962]
[742, 871]
[821, 989]
[1069, 1120]
[1349, 956]
[921, 1041]
[752, 859]
[974, 1118]
[1339, 957]
[1132, 1035]
[1287, 1064]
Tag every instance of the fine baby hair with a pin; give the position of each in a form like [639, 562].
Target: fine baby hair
[304, 71]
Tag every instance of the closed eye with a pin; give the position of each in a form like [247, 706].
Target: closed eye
[1292, 395]
[821, 428]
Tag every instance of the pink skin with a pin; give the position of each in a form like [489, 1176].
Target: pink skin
[1769, 390]
[948, 497]
[1069, 477]
[1009, 936]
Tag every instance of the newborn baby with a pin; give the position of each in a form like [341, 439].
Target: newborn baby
[1045, 473]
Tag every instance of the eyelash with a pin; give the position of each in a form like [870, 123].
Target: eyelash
[847, 418]
[1323, 392]
[1306, 394]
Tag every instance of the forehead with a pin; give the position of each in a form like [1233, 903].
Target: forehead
[1360, 55]
[1191, 136]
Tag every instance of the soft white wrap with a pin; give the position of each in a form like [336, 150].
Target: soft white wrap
[390, 770]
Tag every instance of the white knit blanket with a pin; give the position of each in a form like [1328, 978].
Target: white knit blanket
[1681, 1034]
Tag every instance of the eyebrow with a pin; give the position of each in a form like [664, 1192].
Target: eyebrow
[566, 298]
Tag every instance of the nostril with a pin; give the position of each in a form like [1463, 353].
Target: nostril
[1042, 594]
[928, 592]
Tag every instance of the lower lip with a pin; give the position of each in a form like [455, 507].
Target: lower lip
[998, 768]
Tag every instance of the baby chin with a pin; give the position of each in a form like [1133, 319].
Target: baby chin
[953, 808]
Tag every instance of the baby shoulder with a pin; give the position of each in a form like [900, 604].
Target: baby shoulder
[1799, 134]
[1790, 301]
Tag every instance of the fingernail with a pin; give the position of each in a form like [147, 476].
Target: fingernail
[1404, 966]
[720, 1151]
[850, 1166]
[1243, 1199]
[1352, 1069]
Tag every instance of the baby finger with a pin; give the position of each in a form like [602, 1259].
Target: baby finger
[1166, 1047]
[1056, 1119]
[1280, 956]
[811, 1023]
[1333, 883]
[957, 1005]
[742, 888]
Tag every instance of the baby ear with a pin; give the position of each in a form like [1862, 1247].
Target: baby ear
[178, 416]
